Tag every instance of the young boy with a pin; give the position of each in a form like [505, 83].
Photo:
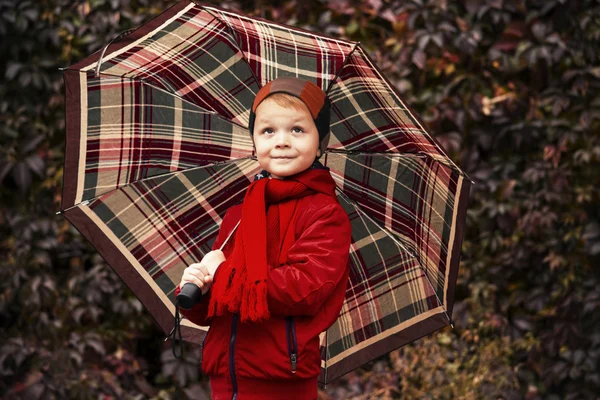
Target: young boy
[282, 277]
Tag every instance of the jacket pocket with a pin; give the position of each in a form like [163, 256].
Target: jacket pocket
[292, 343]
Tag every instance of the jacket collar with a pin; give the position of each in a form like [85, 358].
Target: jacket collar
[265, 174]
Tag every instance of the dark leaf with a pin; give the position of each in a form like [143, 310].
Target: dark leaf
[473, 5]
[31, 14]
[419, 59]
[12, 70]
[97, 345]
[5, 169]
[438, 40]
[22, 176]
[523, 324]
[31, 143]
[25, 79]
[423, 40]
[36, 164]
[539, 31]
[196, 392]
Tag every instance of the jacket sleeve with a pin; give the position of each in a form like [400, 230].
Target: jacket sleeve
[198, 313]
[315, 264]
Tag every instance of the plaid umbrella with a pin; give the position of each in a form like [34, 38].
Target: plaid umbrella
[157, 150]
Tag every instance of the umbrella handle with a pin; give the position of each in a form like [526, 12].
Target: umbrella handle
[191, 294]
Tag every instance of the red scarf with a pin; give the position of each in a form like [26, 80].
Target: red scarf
[262, 238]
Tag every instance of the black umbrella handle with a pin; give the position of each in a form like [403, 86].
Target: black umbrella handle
[189, 295]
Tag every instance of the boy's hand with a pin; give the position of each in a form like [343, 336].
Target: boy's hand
[212, 260]
[201, 274]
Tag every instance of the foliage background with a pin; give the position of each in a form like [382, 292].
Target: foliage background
[509, 87]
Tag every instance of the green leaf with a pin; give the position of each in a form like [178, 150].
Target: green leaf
[352, 28]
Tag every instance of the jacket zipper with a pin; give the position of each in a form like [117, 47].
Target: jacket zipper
[202, 348]
[231, 359]
[292, 343]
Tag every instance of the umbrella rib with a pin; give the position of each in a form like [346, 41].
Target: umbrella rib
[409, 108]
[384, 229]
[218, 163]
[376, 153]
[326, 353]
[452, 166]
[98, 73]
[99, 62]
[234, 37]
[356, 44]
[145, 82]
[266, 21]
[450, 163]
[339, 71]
[393, 237]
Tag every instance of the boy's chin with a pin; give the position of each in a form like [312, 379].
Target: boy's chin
[281, 174]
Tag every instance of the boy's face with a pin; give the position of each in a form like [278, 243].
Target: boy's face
[286, 139]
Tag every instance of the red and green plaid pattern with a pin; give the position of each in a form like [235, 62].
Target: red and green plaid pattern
[158, 150]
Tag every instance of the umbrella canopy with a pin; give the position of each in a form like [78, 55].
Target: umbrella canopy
[158, 149]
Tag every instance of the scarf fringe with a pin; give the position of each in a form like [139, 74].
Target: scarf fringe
[252, 308]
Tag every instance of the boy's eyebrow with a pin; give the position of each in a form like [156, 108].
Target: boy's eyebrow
[294, 119]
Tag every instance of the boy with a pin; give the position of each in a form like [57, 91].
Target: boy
[282, 277]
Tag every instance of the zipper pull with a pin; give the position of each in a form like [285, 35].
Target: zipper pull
[293, 359]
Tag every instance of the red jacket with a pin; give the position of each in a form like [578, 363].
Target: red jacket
[280, 358]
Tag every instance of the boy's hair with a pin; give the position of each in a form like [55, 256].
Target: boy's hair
[287, 100]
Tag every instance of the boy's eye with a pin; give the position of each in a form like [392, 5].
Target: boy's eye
[267, 130]
[297, 129]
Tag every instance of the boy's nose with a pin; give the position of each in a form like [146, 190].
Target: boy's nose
[282, 140]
